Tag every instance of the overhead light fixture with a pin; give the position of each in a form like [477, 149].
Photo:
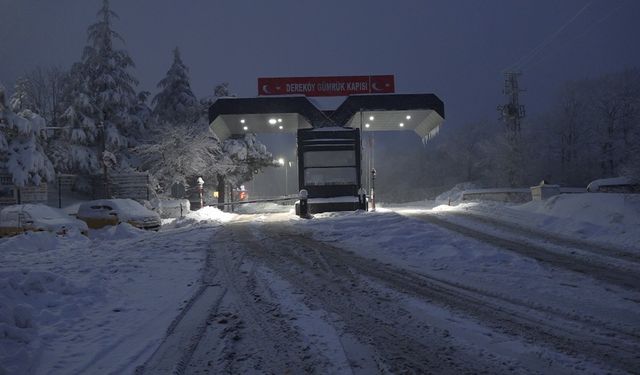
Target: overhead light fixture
[245, 127]
[242, 121]
[280, 127]
[371, 118]
[279, 120]
[401, 125]
[408, 117]
[272, 121]
[366, 125]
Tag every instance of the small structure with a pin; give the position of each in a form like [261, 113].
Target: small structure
[329, 169]
[544, 191]
[329, 142]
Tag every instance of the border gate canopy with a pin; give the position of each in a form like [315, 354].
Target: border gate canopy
[422, 113]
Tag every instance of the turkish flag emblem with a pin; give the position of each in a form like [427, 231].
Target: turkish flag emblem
[382, 84]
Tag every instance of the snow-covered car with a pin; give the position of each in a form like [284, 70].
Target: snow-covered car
[37, 217]
[103, 212]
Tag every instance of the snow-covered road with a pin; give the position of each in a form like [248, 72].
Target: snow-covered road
[404, 290]
[286, 297]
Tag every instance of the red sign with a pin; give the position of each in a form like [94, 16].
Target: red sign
[326, 86]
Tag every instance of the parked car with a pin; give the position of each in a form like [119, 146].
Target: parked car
[103, 212]
[37, 217]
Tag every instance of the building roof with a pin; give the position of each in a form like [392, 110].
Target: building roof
[422, 113]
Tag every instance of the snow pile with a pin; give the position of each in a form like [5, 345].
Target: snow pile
[28, 300]
[32, 300]
[205, 216]
[210, 213]
[262, 208]
[597, 208]
[454, 196]
[116, 232]
[595, 186]
[605, 218]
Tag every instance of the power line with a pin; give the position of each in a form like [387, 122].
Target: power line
[587, 30]
[524, 59]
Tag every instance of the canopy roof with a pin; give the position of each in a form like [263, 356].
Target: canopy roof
[422, 113]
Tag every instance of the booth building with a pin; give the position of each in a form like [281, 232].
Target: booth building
[328, 142]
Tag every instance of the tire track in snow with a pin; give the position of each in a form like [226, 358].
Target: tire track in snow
[380, 333]
[248, 332]
[186, 331]
[589, 267]
[609, 251]
[569, 334]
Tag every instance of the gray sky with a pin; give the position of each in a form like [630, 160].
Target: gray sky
[453, 48]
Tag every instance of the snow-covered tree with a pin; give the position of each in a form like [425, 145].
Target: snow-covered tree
[101, 107]
[245, 156]
[175, 103]
[79, 150]
[41, 91]
[222, 90]
[110, 84]
[21, 153]
[180, 154]
[21, 98]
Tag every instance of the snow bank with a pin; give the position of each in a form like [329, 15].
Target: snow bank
[93, 305]
[595, 186]
[263, 208]
[30, 300]
[204, 216]
[605, 218]
[211, 214]
[601, 209]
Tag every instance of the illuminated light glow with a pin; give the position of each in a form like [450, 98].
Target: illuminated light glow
[401, 125]
[242, 121]
[245, 127]
[272, 121]
[281, 161]
[366, 125]
[371, 118]
[408, 117]
[279, 120]
[280, 127]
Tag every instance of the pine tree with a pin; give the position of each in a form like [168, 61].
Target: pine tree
[21, 99]
[78, 151]
[110, 84]
[175, 103]
[102, 109]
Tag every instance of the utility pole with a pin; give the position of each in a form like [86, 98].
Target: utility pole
[512, 114]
